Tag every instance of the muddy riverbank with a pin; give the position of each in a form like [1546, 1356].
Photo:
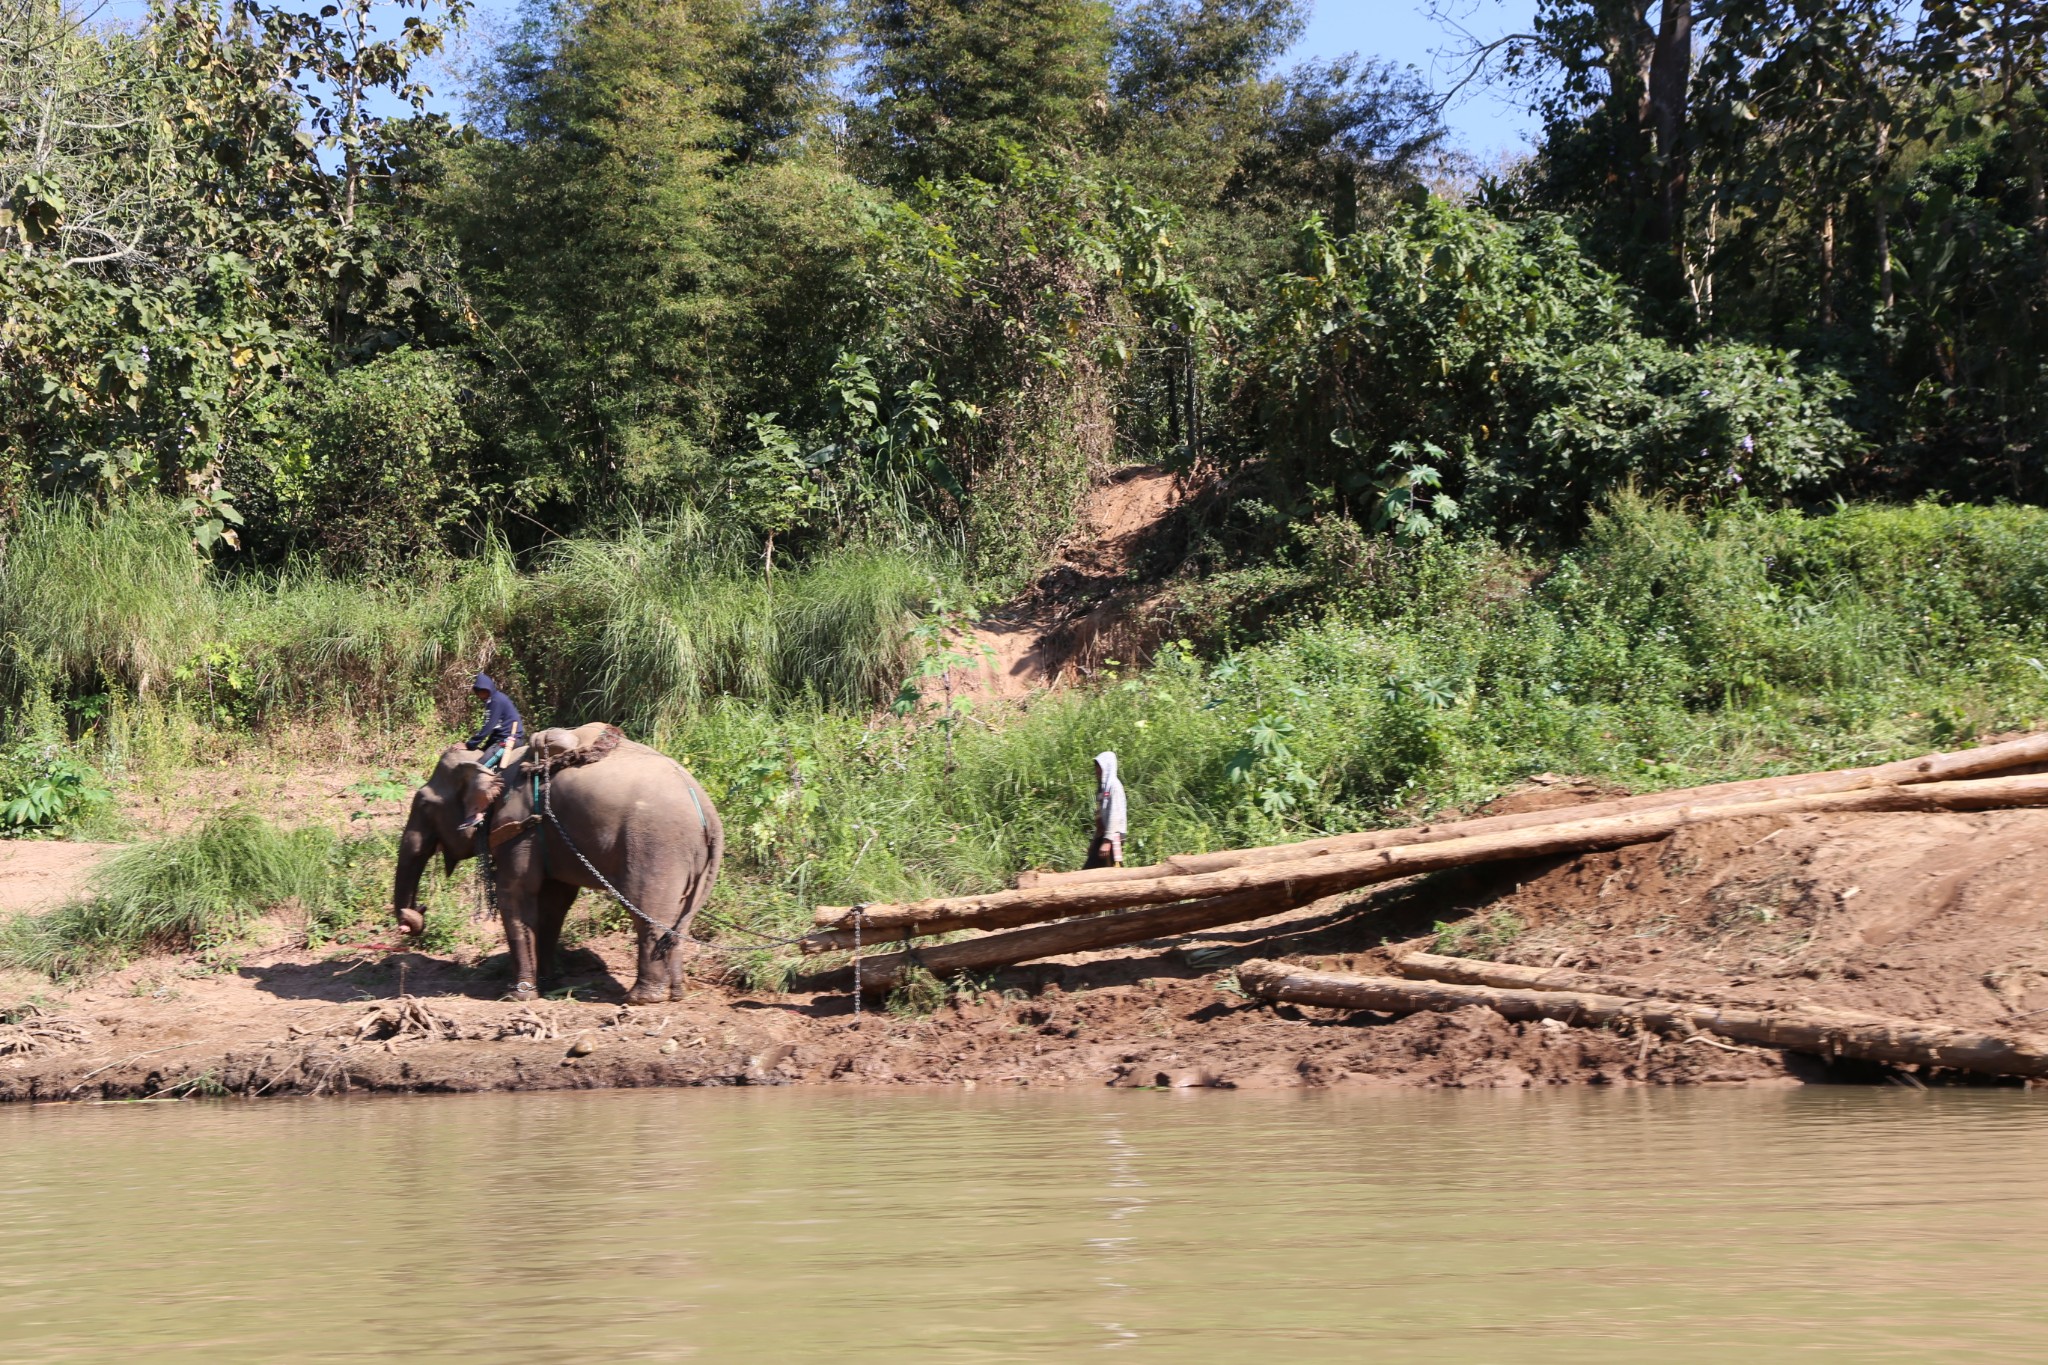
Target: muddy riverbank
[1937, 918]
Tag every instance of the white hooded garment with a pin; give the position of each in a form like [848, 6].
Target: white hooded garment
[1111, 817]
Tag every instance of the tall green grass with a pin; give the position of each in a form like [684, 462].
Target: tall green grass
[1666, 650]
[648, 625]
[192, 891]
[90, 598]
[655, 623]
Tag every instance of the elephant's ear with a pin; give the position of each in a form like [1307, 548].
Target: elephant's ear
[484, 787]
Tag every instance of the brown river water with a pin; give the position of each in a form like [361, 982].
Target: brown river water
[816, 1225]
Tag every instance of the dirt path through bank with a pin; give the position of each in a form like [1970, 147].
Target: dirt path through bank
[1067, 624]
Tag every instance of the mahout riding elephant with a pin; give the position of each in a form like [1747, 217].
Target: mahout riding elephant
[635, 814]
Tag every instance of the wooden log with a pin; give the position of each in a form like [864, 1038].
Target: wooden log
[1467, 971]
[1337, 872]
[1898, 1042]
[1943, 767]
[885, 971]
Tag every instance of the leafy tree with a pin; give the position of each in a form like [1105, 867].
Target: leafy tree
[1451, 367]
[950, 83]
[986, 379]
[369, 469]
[781, 102]
[1614, 91]
[1200, 120]
[173, 243]
[649, 244]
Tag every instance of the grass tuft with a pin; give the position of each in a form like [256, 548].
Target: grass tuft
[195, 891]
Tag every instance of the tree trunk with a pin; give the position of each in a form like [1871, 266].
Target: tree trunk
[1827, 267]
[885, 971]
[1897, 1042]
[1307, 879]
[1670, 75]
[1943, 767]
[1465, 971]
[1882, 213]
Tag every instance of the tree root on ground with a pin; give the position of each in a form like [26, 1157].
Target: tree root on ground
[407, 1018]
[32, 1031]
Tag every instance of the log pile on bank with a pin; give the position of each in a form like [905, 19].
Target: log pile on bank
[1432, 983]
[1053, 914]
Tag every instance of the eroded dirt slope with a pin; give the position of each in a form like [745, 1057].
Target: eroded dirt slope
[1074, 615]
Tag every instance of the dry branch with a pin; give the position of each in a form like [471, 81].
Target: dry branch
[1872, 1038]
[1307, 879]
[35, 1031]
[1944, 767]
[406, 1017]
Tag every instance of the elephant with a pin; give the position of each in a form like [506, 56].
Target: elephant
[636, 814]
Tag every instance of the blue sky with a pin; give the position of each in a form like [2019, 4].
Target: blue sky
[1401, 30]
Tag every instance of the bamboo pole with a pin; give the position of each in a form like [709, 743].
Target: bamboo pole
[1898, 1042]
[885, 971]
[1943, 767]
[1311, 878]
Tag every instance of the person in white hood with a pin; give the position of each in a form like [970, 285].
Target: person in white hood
[1111, 816]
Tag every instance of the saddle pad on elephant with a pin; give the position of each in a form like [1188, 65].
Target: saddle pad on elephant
[563, 748]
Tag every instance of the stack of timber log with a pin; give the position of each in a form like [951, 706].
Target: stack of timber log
[1530, 993]
[1080, 912]
[1947, 767]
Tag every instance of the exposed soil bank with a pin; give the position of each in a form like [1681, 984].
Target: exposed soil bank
[1939, 918]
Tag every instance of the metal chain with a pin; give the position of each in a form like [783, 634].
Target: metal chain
[669, 936]
[663, 945]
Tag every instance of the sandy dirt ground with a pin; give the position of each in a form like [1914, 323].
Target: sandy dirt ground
[39, 874]
[317, 776]
[1940, 918]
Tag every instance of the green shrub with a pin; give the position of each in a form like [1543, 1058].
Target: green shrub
[1450, 370]
[372, 468]
[45, 788]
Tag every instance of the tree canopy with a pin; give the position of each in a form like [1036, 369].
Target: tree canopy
[816, 271]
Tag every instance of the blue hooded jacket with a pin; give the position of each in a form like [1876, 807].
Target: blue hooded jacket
[502, 722]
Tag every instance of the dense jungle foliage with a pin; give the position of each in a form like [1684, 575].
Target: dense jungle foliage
[723, 355]
[908, 271]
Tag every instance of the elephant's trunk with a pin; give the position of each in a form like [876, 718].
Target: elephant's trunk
[415, 846]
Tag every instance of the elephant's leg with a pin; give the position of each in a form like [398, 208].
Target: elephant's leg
[554, 901]
[518, 906]
[698, 893]
[662, 898]
[651, 986]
